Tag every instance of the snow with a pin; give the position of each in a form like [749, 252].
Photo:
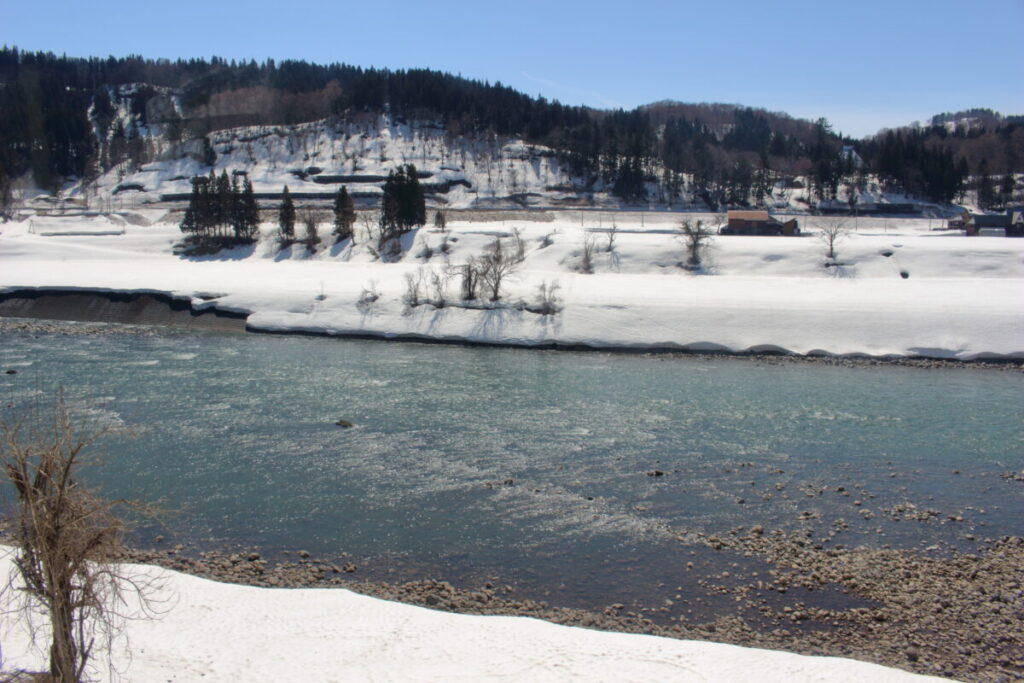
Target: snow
[203, 630]
[961, 298]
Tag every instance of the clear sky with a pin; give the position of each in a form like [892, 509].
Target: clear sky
[863, 65]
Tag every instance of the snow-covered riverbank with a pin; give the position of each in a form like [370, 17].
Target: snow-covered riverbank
[901, 289]
[210, 631]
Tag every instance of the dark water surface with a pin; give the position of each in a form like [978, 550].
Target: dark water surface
[530, 467]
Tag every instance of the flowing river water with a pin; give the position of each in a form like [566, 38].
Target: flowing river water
[579, 477]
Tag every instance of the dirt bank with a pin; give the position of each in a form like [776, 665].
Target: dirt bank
[113, 307]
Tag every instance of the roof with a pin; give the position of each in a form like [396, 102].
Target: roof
[748, 215]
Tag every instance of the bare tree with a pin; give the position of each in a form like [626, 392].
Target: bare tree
[696, 238]
[832, 233]
[439, 280]
[312, 238]
[66, 538]
[612, 231]
[495, 265]
[470, 283]
[587, 255]
[440, 220]
[414, 284]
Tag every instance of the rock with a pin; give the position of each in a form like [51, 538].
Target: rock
[655, 473]
[348, 568]
[304, 554]
[11, 372]
[345, 423]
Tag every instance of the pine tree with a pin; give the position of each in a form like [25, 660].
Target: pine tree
[403, 205]
[250, 213]
[191, 222]
[1006, 188]
[286, 216]
[986, 191]
[344, 215]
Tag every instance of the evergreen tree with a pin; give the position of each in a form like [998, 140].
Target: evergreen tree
[192, 221]
[986, 191]
[1006, 188]
[250, 212]
[286, 216]
[225, 203]
[403, 206]
[344, 215]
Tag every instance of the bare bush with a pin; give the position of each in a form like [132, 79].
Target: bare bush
[312, 238]
[832, 233]
[66, 538]
[518, 247]
[612, 231]
[439, 280]
[587, 255]
[413, 283]
[548, 302]
[368, 297]
[696, 238]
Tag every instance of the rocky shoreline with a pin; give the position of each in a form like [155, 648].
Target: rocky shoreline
[84, 327]
[959, 616]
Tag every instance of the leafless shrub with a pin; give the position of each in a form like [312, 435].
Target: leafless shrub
[439, 280]
[612, 231]
[518, 248]
[66, 538]
[548, 302]
[696, 238]
[368, 297]
[312, 238]
[587, 255]
[413, 288]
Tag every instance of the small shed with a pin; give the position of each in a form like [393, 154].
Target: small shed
[758, 223]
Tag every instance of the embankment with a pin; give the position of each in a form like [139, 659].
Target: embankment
[116, 307]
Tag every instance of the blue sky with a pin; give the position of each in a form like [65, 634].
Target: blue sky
[863, 65]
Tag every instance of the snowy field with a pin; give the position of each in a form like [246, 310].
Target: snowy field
[901, 289]
[209, 631]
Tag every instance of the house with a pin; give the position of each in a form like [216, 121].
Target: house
[1010, 224]
[758, 223]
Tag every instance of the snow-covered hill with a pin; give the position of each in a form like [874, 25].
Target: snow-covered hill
[315, 159]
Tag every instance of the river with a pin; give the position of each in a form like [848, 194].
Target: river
[579, 476]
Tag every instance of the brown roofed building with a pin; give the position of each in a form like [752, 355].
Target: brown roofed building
[758, 223]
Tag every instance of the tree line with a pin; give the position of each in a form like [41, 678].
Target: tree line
[221, 212]
[64, 117]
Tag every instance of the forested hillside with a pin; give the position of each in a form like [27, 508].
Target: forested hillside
[64, 117]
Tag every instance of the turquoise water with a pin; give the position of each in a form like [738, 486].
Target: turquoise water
[236, 434]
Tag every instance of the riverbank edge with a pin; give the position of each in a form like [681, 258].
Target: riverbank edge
[155, 307]
[929, 615]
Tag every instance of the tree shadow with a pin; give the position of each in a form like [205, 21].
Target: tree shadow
[840, 271]
[492, 323]
[238, 253]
